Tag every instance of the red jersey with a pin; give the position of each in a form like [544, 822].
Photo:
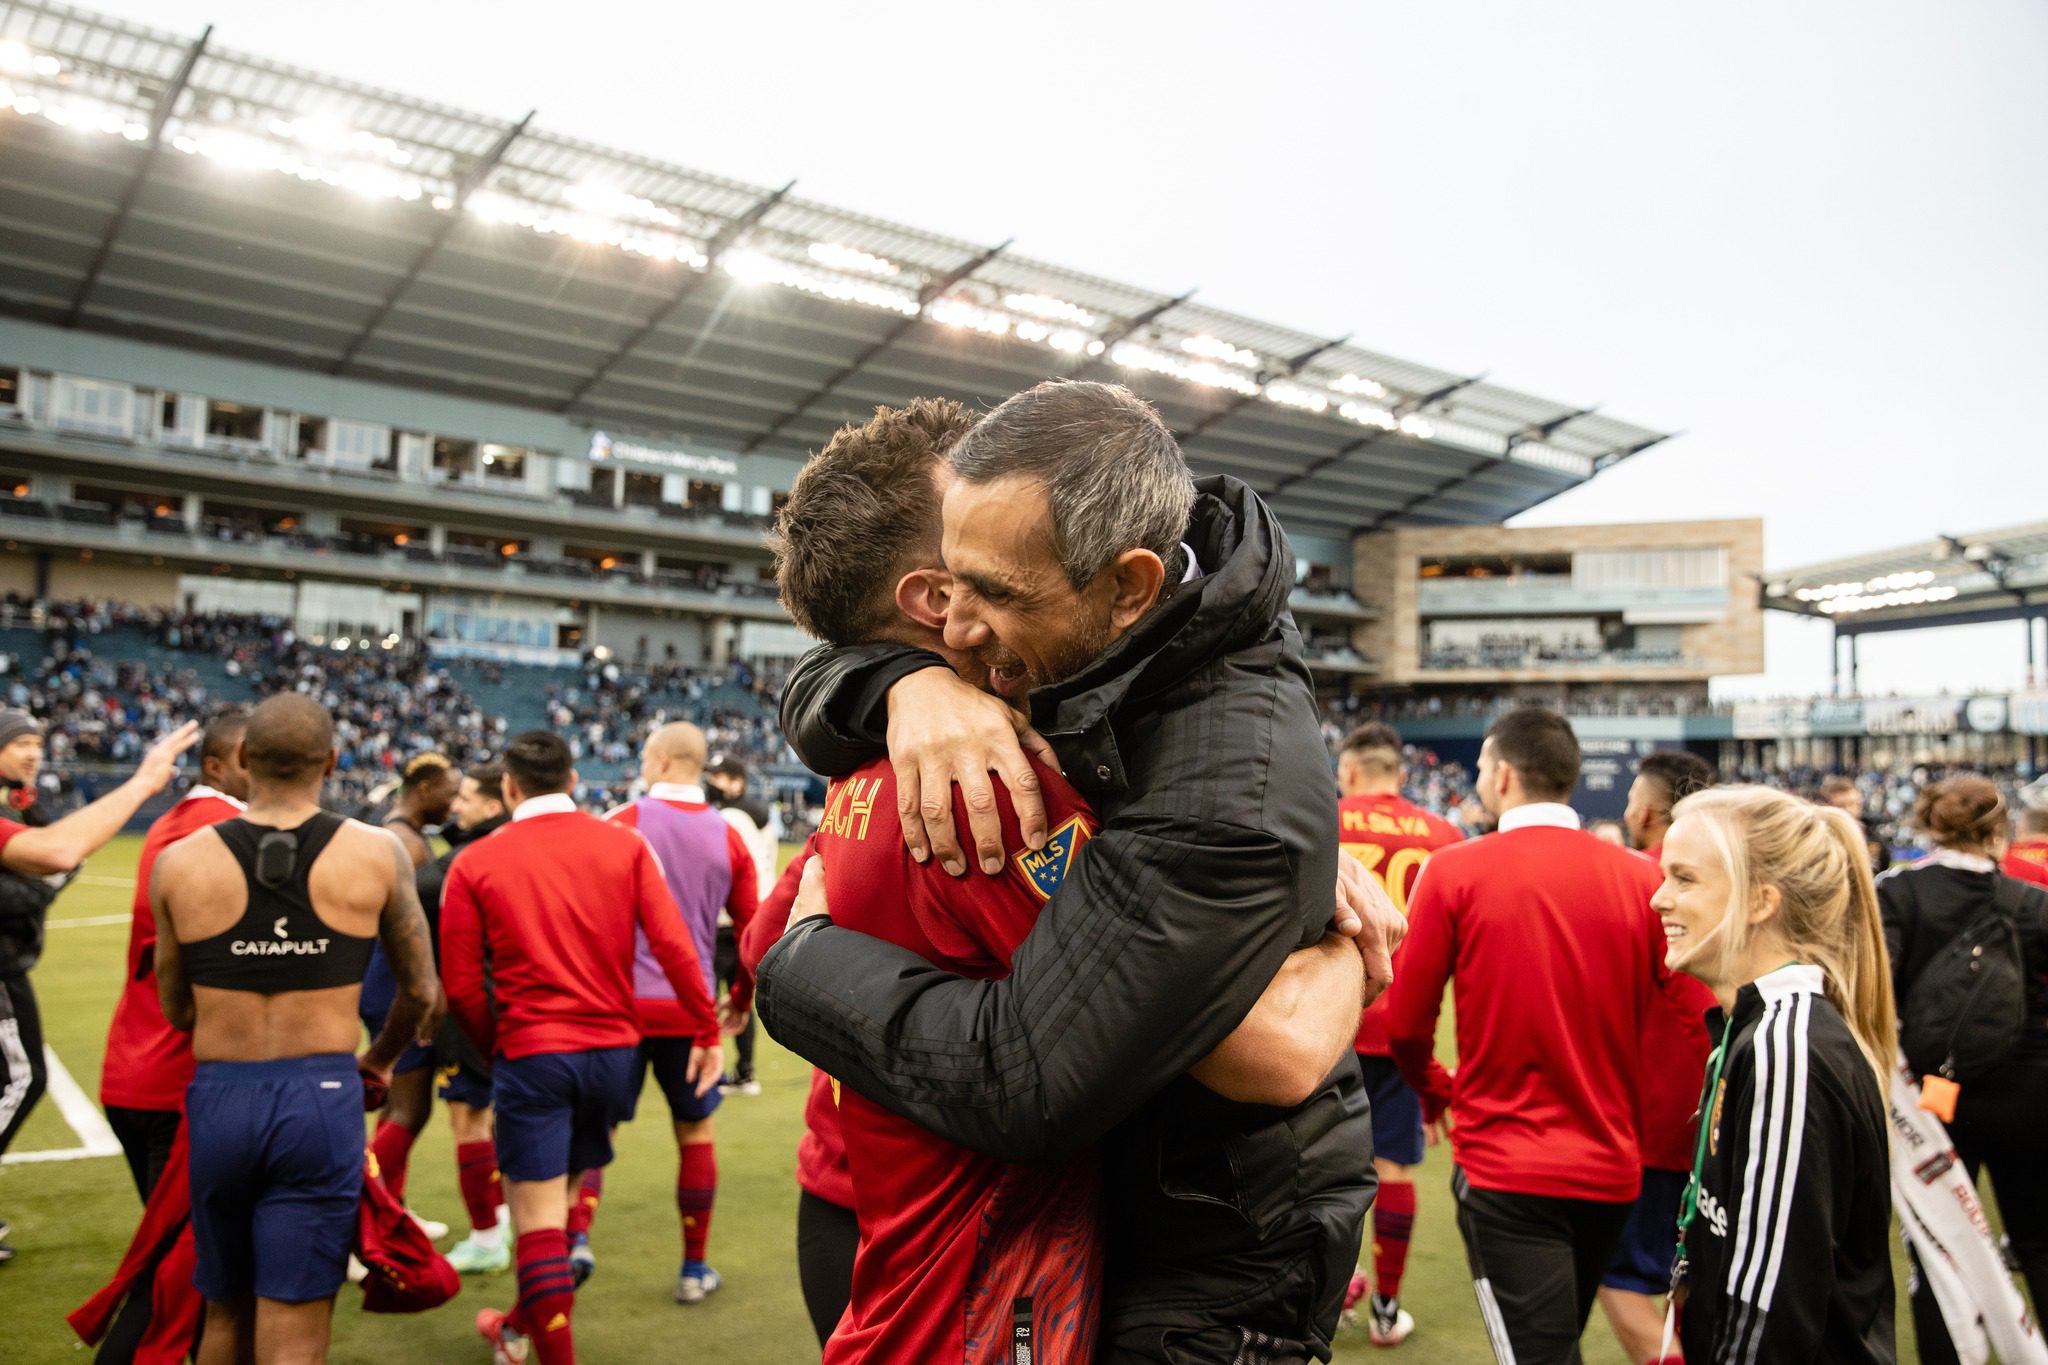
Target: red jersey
[821, 1151]
[2027, 859]
[8, 829]
[1673, 1062]
[1393, 838]
[1556, 955]
[552, 901]
[149, 1063]
[951, 1239]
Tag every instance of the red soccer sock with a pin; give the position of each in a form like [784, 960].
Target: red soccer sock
[583, 1207]
[392, 1146]
[547, 1295]
[476, 1168]
[1393, 1219]
[696, 1187]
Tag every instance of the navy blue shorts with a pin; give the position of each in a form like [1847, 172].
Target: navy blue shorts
[1649, 1240]
[556, 1110]
[1396, 1112]
[669, 1060]
[412, 1059]
[464, 1084]
[277, 1174]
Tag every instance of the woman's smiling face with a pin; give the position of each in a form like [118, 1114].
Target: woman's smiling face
[1693, 901]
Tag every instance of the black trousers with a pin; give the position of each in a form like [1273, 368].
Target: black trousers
[24, 1075]
[826, 1237]
[145, 1136]
[726, 961]
[1536, 1263]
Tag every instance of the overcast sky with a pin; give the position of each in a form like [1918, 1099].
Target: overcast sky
[1809, 235]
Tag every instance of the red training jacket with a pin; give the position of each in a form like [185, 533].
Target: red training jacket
[149, 1063]
[1556, 954]
[821, 1151]
[2027, 859]
[1673, 1061]
[552, 900]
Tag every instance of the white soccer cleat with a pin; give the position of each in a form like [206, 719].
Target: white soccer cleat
[696, 1286]
[435, 1231]
[1390, 1323]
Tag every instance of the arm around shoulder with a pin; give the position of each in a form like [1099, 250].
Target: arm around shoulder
[835, 707]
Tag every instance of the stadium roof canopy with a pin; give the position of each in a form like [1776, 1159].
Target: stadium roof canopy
[1999, 575]
[165, 187]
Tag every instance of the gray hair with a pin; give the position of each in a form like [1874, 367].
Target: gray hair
[1114, 475]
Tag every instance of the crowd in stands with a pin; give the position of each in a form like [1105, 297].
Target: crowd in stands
[109, 679]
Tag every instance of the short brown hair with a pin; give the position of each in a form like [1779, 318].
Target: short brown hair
[490, 781]
[1961, 811]
[862, 513]
[1541, 746]
[1373, 737]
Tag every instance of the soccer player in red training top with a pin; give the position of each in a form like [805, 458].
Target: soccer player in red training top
[2027, 856]
[709, 868]
[551, 903]
[1393, 838]
[827, 1231]
[149, 1063]
[962, 1256]
[1673, 1060]
[1557, 955]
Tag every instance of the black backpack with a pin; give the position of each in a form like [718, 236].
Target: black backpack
[1967, 1010]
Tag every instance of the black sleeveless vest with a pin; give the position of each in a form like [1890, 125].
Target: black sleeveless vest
[279, 944]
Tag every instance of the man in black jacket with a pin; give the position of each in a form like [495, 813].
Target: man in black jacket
[1144, 618]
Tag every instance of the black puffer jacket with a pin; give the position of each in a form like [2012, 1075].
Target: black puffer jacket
[1195, 737]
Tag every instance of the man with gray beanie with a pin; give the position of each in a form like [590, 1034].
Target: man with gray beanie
[37, 856]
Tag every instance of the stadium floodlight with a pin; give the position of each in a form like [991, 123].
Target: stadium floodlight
[1367, 415]
[15, 57]
[956, 312]
[1212, 348]
[608, 201]
[1359, 385]
[1051, 309]
[1205, 373]
[759, 267]
[837, 257]
[1846, 604]
[1289, 394]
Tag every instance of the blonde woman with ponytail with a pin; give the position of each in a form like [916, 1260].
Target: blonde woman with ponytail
[1783, 1234]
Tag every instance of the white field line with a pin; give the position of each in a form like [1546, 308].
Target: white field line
[89, 921]
[95, 1137]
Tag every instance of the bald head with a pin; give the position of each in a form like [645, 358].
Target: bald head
[289, 741]
[674, 753]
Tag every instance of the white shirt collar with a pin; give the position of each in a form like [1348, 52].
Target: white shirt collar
[1539, 815]
[203, 792]
[1194, 567]
[1961, 862]
[1794, 978]
[554, 803]
[677, 791]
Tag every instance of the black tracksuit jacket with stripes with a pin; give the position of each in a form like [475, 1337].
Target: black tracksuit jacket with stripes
[1788, 1259]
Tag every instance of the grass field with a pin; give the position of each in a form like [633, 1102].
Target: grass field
[72, 1219]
